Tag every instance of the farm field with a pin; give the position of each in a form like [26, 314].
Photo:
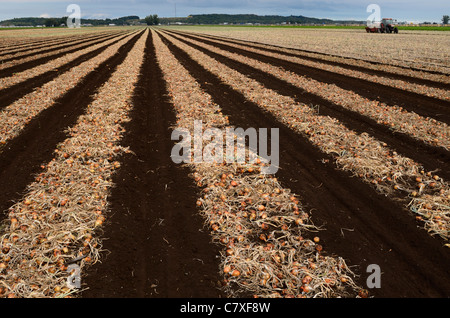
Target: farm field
[87, 177]
[416, 49]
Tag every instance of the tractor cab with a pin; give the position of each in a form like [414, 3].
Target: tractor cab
[386, 25]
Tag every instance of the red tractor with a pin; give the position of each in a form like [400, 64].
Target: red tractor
[386, 25]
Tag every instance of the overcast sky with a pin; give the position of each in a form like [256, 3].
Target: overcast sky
[402, 10]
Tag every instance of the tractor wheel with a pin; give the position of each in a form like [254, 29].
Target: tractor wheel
[395, 30]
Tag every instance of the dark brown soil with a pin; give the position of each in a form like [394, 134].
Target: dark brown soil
[156, 243]
[359, 224]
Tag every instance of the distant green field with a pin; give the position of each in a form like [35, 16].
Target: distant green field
[18, 28]
[425, 28]
[305, 26]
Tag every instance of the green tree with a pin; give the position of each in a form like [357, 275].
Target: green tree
[62, 20]
[155, 19]
[445, 19]
[50, 22]
[152, 19]
[148, 19]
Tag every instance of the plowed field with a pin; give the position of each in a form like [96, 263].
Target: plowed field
[87, 178]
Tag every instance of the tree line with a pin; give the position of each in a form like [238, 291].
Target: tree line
[48, 22]
[252, 18]
[153, 19]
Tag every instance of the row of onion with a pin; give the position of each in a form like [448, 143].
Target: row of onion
[389, 82]
[358, 62]
[270, 246]
[429, 130]
[59, 219]
[16, 116]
